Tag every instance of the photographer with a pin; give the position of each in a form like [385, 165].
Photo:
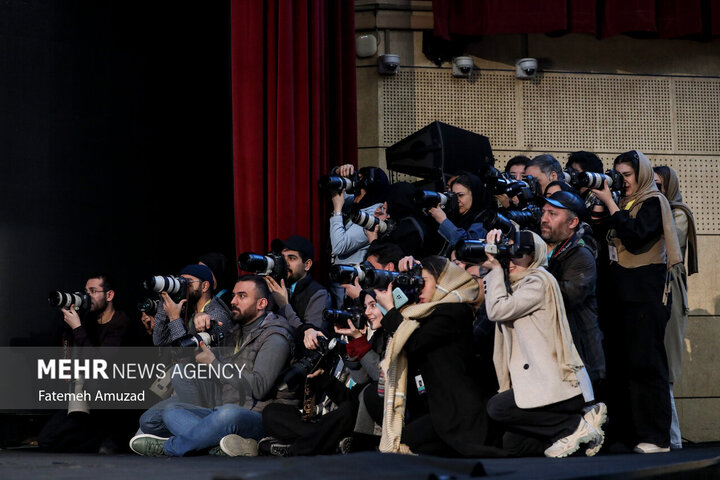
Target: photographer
[667, 181]
[572, 263]
[303, 301]
[545, 168]
[515, 169]
[463, 224]
[585, 162]
[381, 256]
[202, 310]
[543, 383]
[348, 241]
[427, 368]
[643, 249]
[261, 349]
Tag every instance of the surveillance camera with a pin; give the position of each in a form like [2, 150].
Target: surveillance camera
[526, 68]
[388, 64]
[462, 66]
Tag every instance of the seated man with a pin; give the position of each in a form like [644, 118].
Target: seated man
[258, 352]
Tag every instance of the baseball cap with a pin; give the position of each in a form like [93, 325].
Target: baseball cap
[569, 201]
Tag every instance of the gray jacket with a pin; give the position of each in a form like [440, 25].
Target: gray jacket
[168, 330]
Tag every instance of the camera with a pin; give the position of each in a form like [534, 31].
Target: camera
[192, 341]
[526, 217]
[502, 184]
[492, 220]
[273, 265]
[176, 287]
[462, 66]
[341, 317]
[388, 64]
[594, 180]
[336, 183]
[148, 306]
[310, 362]
[65, 300]
[526, 68]
[428, 199]
[346, 274]
[369, 222]
[476, 251]
[380, 279]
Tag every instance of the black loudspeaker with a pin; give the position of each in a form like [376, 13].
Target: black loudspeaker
[438, 151]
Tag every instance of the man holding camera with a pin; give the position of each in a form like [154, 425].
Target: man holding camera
[572, 263]
[545, 168]
[202, 309]
[303, 301]
[259, 351]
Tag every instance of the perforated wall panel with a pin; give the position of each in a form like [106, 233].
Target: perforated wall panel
[674, 120]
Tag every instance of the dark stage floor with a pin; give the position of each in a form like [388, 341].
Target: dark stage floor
[701, 461]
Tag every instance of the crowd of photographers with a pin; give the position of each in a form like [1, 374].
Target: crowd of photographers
[484, 314]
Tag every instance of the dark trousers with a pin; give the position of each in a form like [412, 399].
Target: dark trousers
[638, 396]
[80, 432]
[531, 430]
[285, 423]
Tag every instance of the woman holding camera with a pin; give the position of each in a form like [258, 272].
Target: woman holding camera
[463, 224]
[543, 382]
[428, 368]
[643, 249]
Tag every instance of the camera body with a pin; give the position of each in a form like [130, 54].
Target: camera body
[61, 300]
[341, 317]
[411, 282]
[310, 362]
[272, 264]
[476, 251]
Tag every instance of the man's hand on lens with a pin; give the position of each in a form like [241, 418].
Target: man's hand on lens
[406, 263]
[310, 339]
[345, 170]
[352, 291]
[148, 321]
[438, 214]
[171, 308]
[205, 356]
[351, 331]
[203, 322]
[385, 297]
[71, 317]
[279, 292]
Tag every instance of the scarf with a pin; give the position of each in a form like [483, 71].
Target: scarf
[454, 285]
[670, 254]
[672, 192]
[567, 355]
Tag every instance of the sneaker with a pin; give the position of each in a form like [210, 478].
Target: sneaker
[650, 448]
[216, 451]
[344, 446]
[236, 446]
[148, 445]
[585, 433]
[596, 415]
[273, 446]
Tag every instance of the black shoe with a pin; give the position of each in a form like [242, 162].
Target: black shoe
[274, 447]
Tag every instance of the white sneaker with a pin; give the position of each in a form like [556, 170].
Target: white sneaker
[596, 415]
[585, 433]
[236, 446]
[650, 448]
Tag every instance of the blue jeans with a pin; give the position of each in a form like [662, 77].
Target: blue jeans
[196, 428]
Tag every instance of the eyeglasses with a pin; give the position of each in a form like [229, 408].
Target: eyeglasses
[93, 291]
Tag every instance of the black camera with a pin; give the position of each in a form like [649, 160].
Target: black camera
[148, 306]
[492, 220]
[193, 340]
[336, 183]
[65, 300]
[273, 265]
[502, 184]
[476, 251]
[297, 372]
[380, 279]
[369, 222]
[429, 199]
[176, 287]
[527, 217]
[346, 274]
[341, 317]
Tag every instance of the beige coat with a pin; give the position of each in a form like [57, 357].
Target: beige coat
[526, 344]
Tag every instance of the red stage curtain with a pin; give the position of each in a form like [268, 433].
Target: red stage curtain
[666, 18]
[294, 114]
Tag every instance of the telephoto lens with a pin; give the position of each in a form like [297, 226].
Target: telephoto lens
[174, 286]
[193, 340]
[594, 180]
[65, 300]
[341, 317]
[272, 265]
[148, 306]
[336, 183]
[369, 222]
[346, 274]
[430, 199]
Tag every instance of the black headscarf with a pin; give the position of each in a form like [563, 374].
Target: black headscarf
[479, 201]
[376, 192]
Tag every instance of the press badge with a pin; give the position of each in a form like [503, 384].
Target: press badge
[420, 383]
[612, 253]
